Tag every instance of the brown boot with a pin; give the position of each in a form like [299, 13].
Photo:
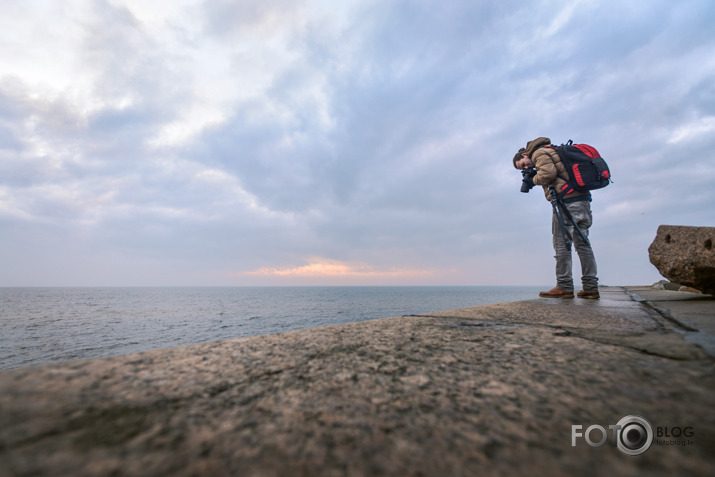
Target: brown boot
[556, 292]
[593, 295]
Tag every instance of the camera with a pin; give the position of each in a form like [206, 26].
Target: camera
[527, 181]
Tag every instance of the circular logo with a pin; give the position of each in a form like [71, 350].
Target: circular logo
[634, 435]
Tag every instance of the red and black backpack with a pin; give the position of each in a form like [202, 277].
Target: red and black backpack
[586, 168]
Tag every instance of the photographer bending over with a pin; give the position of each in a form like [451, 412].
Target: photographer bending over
[541, 165]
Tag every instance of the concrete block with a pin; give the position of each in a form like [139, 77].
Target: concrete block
[685, 255]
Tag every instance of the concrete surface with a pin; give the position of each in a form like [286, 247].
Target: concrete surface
[692, 314]
[489, 390]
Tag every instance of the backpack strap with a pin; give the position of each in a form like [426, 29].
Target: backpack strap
[567, 188]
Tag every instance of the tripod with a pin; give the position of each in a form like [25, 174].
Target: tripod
[559, 211]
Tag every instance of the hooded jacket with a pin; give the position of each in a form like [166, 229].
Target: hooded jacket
[549, 168]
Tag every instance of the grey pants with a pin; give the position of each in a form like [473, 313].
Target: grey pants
[581, 213]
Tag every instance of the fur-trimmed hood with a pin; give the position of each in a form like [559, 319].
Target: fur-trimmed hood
[532, 146]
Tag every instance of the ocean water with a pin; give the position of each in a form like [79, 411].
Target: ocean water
[44, 325]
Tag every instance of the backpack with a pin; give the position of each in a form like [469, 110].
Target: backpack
[586, 168]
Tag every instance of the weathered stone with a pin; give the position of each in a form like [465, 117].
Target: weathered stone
[689, 290]
[666, 285]
[490, 390]
[685, 255]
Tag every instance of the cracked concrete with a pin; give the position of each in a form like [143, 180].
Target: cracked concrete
[616, 319]
[489, 390]
[692, 315]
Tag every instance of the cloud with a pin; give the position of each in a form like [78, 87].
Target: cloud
[204, 137]
[691, 131]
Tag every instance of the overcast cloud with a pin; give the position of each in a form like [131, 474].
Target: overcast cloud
[216, 142]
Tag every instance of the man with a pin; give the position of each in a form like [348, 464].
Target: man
[551, 171]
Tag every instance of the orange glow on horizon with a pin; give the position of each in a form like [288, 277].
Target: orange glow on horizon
[324, 267]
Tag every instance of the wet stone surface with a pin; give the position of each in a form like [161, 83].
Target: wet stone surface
[489, 390]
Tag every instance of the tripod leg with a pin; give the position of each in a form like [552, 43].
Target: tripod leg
[564, 231]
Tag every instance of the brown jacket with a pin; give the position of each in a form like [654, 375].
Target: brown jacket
[549, 168]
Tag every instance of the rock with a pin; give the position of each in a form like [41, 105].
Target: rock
[685, 255]
[666, 285]
[689, 290]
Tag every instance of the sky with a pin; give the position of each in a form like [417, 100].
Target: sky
[313, 142]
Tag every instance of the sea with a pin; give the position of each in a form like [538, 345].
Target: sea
[46, 325]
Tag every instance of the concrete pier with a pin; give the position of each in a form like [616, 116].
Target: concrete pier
[504, 389]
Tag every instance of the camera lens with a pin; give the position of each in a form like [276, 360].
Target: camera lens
[527, 181]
